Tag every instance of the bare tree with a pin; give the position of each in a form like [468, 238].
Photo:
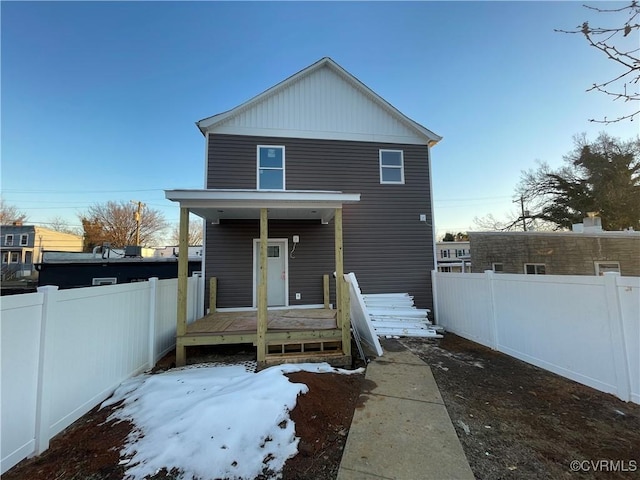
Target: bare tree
[619, 44]
[10, 213]
[602, 176]
[59, 224]
[115, 222]
[195, 233]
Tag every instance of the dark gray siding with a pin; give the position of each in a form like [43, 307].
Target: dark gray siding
[385, 244]
[232, 259]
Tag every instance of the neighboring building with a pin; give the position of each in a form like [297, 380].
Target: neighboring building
[87, 272]
[588, 250]
[318, 143]
[453, 256]
[21, 247]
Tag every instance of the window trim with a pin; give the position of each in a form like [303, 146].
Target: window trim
[536, 269]
[493, 267]
[8, 240]
[401, 167]
[597, 264]
[24, 239]
[284, 184]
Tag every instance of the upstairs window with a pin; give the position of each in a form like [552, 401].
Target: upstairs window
[8, 240]
[445, 254]
[534, 269]
[270, 167]
[24, 239]
[391, 166]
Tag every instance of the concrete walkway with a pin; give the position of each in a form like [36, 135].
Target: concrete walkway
[402, 431]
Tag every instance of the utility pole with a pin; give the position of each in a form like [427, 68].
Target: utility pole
[138, 216]
[524, 213]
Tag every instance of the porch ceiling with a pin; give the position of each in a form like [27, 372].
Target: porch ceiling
[217, 204]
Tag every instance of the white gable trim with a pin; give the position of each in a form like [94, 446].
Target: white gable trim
[410, 132]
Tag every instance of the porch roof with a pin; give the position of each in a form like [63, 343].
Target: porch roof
[217, 204]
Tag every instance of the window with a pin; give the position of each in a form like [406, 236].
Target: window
[5, 257]
[534, 269]
[498, 267]
[273, 251]
[15, 257]
[391, 166]
[104, 281]
[460, 252]
[604, 267]
[24, 239]
[270, 167]
[8, 239]
[445, 254]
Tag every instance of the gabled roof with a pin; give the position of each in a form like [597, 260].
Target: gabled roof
[322, 99]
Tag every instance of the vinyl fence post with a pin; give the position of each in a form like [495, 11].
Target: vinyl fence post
[434, 293]
[493, 326]
[153, 299]
[616, 329]
[45, 370]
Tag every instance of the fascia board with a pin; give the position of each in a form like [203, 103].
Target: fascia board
[261, 196]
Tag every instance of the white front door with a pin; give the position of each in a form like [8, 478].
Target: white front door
[276, 272]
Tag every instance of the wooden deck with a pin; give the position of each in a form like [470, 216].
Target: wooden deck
[291, 319]
[292, 335]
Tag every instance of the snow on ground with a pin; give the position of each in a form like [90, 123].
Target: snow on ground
[211, 422]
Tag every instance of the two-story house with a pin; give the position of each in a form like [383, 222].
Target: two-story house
[453, 256]
[316, 175]
[21, 246]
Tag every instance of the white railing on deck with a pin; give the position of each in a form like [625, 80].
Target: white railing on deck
[581, 327]
[64, 351]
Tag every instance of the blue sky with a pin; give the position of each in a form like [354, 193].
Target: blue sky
[99, 100]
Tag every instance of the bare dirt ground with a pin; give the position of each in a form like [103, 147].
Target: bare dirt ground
[89, 449]
[514, 421]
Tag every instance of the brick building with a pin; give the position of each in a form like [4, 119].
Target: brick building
[556, 253]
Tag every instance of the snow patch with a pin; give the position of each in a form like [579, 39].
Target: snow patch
[211, 422]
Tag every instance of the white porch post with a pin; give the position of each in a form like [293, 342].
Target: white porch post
[183, 271]
[262, 288]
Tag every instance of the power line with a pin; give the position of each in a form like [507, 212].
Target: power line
[9, 190]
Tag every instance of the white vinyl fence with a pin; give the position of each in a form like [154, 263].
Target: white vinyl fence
[581, 327]
[64, 351]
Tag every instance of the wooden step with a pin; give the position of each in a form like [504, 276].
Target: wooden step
[336, 359]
